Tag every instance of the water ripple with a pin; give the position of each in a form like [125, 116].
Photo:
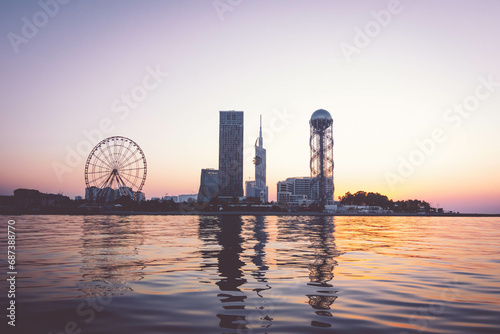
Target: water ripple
[248, 274]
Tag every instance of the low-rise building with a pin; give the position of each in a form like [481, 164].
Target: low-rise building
[209, 185]
[300, 190]
[360, 209]
[188, 198]
[173, 198]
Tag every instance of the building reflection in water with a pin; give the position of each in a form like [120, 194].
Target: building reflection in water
[223, 248]
[321, 269]
[230, 270]
[223, 242]
[208, 228]
[260, 235]
[243, 299]
[110, 255]
[258, 259]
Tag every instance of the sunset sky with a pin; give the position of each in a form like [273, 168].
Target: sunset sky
[413, 88]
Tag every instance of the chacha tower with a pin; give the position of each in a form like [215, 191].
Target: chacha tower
[321, 143]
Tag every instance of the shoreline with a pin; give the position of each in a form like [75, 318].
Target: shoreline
[244, 213]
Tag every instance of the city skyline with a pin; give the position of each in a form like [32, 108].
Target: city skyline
[414, 100]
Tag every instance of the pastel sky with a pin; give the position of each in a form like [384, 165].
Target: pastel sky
[392, 76]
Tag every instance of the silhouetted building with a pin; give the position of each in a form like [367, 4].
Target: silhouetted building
[321, 143]
[260, 189]
[231, 154]
[209, 185]
[103, 195]
[109, 195]
[173, 198]
[139, 196]
[250, 188]
[188, 198]
[124, 191]
[7, 202]
[91, 193]
[33, 199]
[27, 198]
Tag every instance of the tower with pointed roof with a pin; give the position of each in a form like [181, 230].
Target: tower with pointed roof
[260, 167]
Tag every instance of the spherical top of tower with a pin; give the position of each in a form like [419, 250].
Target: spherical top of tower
[321, 119]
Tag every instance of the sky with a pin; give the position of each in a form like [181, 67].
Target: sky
[413, 88]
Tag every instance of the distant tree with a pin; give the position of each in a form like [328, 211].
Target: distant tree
[126, 202]
[377, 199]
[364, 198]
[214, 201]
[251, 200]
[234, 200]
[315, 207]
[347, 199]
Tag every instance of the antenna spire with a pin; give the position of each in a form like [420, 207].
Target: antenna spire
[260, 133]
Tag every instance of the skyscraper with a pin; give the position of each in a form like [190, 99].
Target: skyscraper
[321, 142]
[260, 167]
[231, 154]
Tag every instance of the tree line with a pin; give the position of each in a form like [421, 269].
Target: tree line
[377, 199]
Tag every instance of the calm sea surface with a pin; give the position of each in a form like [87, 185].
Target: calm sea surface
[248, 274]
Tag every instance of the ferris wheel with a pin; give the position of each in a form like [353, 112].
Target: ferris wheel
[116, 167]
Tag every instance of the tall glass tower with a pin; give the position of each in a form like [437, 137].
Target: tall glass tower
[321, 142]
[231, 154]
[260, 167]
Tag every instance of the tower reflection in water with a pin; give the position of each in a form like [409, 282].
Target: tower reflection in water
[223, 242]
[230, 269]
[236, 249]
[258, 259]
[110, 255]
[321, 269]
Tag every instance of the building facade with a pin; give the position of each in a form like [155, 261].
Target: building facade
[230, 154]
[91, 193]
[173, 198]
[188, 198]
[301, 190]
[250, 188]
[209, 185]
